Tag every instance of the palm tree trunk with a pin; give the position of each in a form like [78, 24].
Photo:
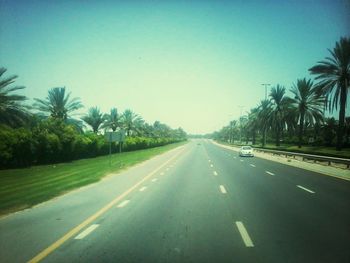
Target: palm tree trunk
[278, 136]
[254, 135]
[301, 127]
[340, 131]
[264, 138]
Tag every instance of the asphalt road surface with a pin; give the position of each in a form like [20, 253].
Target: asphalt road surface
[197, 203]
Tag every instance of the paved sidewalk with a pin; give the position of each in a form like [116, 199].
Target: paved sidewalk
[315, 167]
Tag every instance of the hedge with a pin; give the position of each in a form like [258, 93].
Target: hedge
[54, 142]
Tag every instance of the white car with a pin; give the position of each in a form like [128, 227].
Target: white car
[246, 151]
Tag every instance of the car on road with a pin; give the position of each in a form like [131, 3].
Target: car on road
[246, 151]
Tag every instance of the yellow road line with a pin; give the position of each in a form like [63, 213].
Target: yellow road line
[92, 218]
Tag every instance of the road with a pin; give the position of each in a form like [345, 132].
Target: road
[197, 203]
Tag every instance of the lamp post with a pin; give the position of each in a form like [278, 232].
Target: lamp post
[265, 85]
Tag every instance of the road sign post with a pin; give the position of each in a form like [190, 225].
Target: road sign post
[114, 137]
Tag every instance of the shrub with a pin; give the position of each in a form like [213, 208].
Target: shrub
[53, 141]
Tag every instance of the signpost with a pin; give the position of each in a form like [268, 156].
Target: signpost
[110, 137]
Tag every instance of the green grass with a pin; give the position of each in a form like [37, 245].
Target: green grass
[317, 150]
[24, 188]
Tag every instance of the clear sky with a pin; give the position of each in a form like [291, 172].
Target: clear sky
[189, 64]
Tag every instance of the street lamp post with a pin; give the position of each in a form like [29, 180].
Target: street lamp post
[265, 85]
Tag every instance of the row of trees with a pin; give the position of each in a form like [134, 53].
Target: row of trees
[302, 114]
[47, 132]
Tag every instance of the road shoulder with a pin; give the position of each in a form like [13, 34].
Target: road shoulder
[314, 167]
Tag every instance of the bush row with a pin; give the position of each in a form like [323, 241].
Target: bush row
[53, 142]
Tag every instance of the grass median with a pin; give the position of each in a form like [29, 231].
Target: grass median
[24, 188]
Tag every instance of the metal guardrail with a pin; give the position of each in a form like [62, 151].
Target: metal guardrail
[312, 157]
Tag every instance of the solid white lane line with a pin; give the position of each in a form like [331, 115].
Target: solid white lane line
[222, 189]
[211, 165]
[269, 173]
[154, 179]
[244, 234]
[87, 231]
[124, 203]
[252, 165]
[305, 189]
[215, 173]
[143, 189]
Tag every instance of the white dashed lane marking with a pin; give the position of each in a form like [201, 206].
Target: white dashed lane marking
[215, 173]
[269, 173]
[154, 179]
[142, 189]
[252, 165]
[305, 189]
[222, 189]
[244, 234]
[211, 165]
[87, 231]
[124, 203]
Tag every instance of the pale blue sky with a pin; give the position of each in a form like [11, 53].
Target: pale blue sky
[188, 64]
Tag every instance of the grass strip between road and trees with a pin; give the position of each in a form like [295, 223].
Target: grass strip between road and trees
[24, 188]
[315, 150]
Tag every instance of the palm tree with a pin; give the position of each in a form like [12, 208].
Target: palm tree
[308, 104]
[12, 111]
[131, 121]
[252, 124]
[94, 118]
[347, 130]
[112, 120]
[233, 128]
[161, 130]
[58, 104]
[243, 121]
[334, 76]
[264, 112]
[279, 108]
[147, 130]
[224, 134]
[329, 131]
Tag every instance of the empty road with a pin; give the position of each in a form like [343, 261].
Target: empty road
[197, 203]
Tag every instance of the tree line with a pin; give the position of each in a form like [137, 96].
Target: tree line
[46, 131]
[293, 119]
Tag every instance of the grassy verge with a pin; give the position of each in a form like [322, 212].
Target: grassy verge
[317, 150]
[23, 188]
